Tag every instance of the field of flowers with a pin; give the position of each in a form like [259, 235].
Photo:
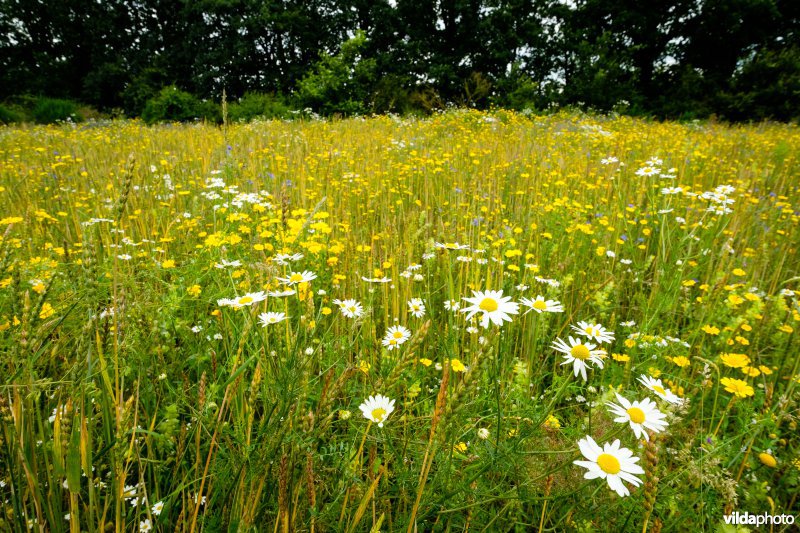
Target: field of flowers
[484, 322]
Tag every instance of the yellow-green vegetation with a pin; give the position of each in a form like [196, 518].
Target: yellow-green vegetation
[484, 321]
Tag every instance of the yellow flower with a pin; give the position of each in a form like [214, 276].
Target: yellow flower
[169, 263]
[767, 460]
[738, 272]
[735, 299]
[737, 387]
[621, 357]
[326, 311]
[457, 365]
[47, 311]
[750, 371]
[194, 291]
[711, 330]
[682, 361]
[460, 447]
[786, 328]
[364, 366]
[734, 360]
[552, 422]
[425, 362]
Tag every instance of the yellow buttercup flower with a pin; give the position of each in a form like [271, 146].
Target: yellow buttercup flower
[767, 459]
[737, 387]
[457, 365]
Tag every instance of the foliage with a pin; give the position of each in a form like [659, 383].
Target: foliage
[339, 83]
[174, 105]
[9, 115]
[51, 110]
[258, 105]
[667, 58]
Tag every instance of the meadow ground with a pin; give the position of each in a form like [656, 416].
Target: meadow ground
[490, 322]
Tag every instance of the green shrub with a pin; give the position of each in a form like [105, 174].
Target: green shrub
[9, 115]
[340, 83]
[174, 105]
[52, 110]
[258, 105]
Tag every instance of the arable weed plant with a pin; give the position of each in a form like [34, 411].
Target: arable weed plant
[472, 321]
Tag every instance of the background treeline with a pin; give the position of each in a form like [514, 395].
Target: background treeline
[171, 59]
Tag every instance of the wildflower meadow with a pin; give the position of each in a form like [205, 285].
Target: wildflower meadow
[473, 321]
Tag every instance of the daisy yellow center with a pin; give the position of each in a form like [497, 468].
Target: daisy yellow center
[296, 277]
[659, 389]
[378, 414]
[245, 300]
[273, 319]
[636, 415]
[541, 305]
[580, 351]
[397, 335]
[608, 463]
[352, 309]
[488, 304]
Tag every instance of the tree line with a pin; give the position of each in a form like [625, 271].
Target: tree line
[736, 59]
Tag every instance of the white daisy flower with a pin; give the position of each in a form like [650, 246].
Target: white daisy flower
[157, 508]
[377, 409]
[648, 171]
[450, 246]
[452, 305]
[594, 332]
[658, 388]
[611, 462]
[416, 307]
[377, 280]
[642, 416]
[493, 306]
[540, 305]
[395, 336]
[350, 308]
[224, 264]
[271, 318]
[284, 259]
[241, 301]
[579, 354]
[298, 277]
[281, 294]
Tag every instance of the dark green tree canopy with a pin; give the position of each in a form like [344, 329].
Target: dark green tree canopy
[739, 59]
